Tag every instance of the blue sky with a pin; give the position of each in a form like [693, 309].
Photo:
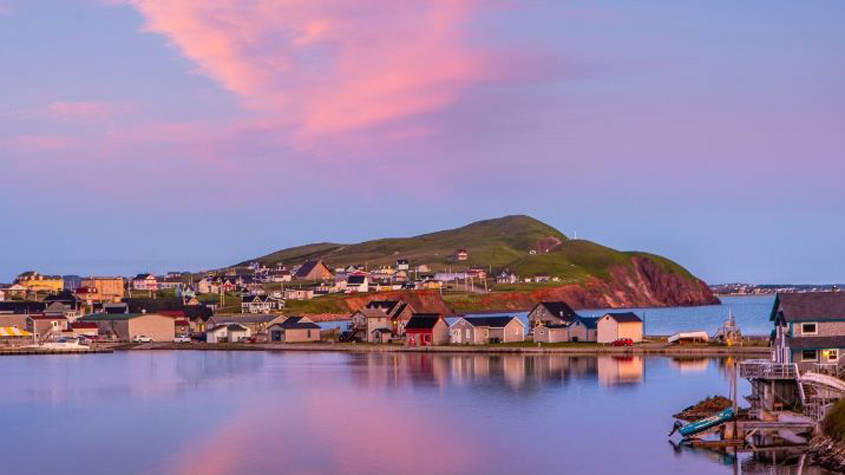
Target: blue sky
[148, 135]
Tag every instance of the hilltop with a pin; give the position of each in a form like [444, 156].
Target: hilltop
[493, 242]
[585, 273]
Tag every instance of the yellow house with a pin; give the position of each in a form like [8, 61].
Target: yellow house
[108, 288]
[34, 281]
[613, 326]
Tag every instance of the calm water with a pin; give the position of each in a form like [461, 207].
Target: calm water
[752, 316]
[195, 412]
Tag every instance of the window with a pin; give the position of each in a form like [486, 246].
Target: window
[809, 355]
[830, 356]
[308, 333]
[466, 332]
[809, 329]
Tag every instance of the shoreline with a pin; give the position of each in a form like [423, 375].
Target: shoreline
[656, 349]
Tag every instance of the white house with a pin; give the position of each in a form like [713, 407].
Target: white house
[299, 294]
[257, 304]
[358, 283]
[145, 282]
[227, 333]
[485, 330]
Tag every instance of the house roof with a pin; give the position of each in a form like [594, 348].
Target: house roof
[48, 317]
[356, 279]
[307, 267]
[122, 307]
[387, 305]
[22, 307]
[197, 311]
[559, 309]
[372, 312]
[422, 321]
[63, 296]
[253, 298]
[623, 317]
[230, 327]
[172, 313]
[143, 276]
[589, 322]
[102, 317]
[243, 318]
[295, 323]
[83, 325]
[810, 306]
[815, 342]
[497, 321]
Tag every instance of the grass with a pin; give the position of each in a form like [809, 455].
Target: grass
[332, 303]
[495, 244]
[834, 423]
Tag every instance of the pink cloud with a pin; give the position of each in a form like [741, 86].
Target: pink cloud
[42, 142]
[323, 67]
[245, 437]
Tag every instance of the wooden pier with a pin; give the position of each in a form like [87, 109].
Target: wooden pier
[52, 351]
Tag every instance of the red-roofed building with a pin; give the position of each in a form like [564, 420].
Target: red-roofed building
[44, 325]
[426, 329]
[172, 313]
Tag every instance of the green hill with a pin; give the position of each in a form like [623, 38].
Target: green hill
[518, 243]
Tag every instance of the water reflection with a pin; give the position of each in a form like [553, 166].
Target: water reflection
[516, 372]
[255, 412]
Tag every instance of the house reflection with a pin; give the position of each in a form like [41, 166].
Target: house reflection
[690, 365]
[622, 369]
[515, 372]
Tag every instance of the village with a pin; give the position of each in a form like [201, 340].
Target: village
[255, 304]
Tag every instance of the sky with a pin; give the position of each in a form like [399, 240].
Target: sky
[159, 135]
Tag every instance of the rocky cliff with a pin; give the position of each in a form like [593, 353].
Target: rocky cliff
[643, 283]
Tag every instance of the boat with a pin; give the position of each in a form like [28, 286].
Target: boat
[691, 336]
[702, 425]
[67, 343]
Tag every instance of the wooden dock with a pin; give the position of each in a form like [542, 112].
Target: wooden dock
[52, 351]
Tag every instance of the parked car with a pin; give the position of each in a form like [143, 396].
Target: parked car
[182, 339]
[623, 342]
[142, 339]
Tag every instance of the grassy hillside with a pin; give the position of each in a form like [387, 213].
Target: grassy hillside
[494, 242]
[502, 243]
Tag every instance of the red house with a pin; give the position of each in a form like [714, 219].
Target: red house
[426, 329]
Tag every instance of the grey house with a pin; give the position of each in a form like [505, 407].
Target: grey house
[551, 314]
[489, 329]
[809, 328]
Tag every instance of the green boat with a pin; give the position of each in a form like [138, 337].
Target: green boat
[709, 422]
